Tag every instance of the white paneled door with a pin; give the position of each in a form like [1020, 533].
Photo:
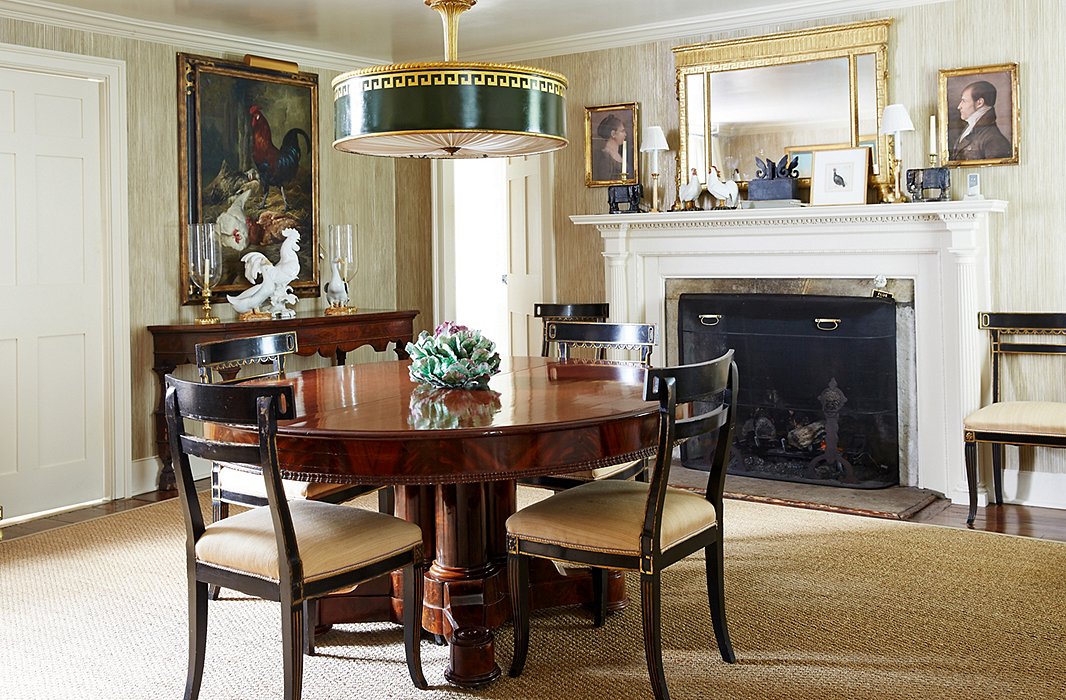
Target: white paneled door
[530, 256]
[53, 411]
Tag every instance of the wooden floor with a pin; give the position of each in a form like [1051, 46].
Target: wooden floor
[1025, 521]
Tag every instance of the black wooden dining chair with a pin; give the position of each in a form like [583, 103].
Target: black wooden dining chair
[564, 335]
[638, 526]
[292, 552]
[242, 359]
[569, 312]
[1036, 423]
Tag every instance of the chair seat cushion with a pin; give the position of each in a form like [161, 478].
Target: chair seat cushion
[607, 516]
[331, 538]
[1020, 417]
[240, 481]
[599, 472]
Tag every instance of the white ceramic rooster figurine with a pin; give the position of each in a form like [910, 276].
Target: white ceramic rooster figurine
[276, 280]
[726, 193]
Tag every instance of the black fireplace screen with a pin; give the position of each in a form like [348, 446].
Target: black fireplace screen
[817, 394]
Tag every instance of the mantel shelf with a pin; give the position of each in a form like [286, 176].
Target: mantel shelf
[795, 215]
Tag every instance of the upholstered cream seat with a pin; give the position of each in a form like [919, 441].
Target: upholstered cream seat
[608, 516]
[1020, 418]
[332, 539]
[232, 480]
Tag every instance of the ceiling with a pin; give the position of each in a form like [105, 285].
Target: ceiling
[385, 31]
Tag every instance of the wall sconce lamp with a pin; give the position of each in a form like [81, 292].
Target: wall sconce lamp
[895, 120]
[653, 140]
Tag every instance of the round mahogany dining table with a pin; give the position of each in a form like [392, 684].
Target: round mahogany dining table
[454, 456]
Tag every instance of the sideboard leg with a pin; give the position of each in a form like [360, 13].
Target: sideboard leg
[167, 481]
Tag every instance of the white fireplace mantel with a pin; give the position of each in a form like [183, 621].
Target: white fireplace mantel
[941, 246]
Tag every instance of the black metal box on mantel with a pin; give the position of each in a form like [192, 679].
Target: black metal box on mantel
[774, 180]
[817, 397]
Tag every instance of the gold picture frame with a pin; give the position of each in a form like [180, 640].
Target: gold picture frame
[992, 140]
[224, 174]
[604, 127]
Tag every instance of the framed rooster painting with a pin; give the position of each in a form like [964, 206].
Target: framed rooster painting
[248, 161]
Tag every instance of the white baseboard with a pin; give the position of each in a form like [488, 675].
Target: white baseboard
[145, 476]
[1025, 488]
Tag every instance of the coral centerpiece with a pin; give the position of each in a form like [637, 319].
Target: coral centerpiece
[454, 357]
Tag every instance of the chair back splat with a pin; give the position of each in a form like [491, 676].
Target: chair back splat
[638, 337]
[260, 551]
[566, 335]
[637, 526]
[569, 312]
[1025, 422]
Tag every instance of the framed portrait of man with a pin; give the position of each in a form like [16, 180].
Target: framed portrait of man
[611, 145]
[978, 115]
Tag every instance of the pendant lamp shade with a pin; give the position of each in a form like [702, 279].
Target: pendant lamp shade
[449, 109]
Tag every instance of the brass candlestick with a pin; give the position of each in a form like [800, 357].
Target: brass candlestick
[207, 319]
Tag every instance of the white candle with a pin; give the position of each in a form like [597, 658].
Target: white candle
[623, 160]
[932, 134]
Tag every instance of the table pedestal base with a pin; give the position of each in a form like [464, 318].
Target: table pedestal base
[466, 595]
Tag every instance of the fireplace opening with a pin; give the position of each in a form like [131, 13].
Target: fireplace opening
[817, 398]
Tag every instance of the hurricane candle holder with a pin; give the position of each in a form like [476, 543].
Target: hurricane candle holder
[205, 265]
[341, 245]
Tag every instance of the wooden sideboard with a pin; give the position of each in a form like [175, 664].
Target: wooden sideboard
[329, 336]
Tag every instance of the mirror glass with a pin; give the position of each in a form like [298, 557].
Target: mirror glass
[793, 93]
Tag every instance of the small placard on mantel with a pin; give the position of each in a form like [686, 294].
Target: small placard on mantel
[769, 203]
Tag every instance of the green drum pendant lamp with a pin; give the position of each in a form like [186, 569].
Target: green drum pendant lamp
[451, 109]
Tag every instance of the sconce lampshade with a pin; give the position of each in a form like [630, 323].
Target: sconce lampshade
[653, 139]
[895, 119]
[449, 109]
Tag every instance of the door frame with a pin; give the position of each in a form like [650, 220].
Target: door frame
[442, 185]
[111, 76]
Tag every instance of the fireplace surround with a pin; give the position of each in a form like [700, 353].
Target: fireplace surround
[939, 247]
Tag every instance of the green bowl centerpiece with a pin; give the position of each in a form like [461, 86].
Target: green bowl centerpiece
[454, 357]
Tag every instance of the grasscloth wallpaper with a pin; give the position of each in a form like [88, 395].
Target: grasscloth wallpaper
[389, 200]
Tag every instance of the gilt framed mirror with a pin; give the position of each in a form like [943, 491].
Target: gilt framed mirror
[793, 92]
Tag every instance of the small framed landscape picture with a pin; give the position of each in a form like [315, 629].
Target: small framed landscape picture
[611, 145]
[977, 109]
[840, 176]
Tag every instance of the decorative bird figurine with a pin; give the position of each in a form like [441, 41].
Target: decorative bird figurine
[276, 280]
[336, 289]
[690, 191]
[726, 194]
[837, 179]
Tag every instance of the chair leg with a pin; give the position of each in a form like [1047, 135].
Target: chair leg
[997, 471]
[970, 452]
[599, 596]
[387, 500]
[292, 632]
[650, 615]
[219, 511]
[518, 578]
[310, 617]
[197, 637]
[413, 584]
[716, 597]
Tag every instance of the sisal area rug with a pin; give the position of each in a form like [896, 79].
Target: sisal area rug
[820, 605]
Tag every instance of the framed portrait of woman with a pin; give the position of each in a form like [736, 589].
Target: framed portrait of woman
[611, 145]
[977, 109]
